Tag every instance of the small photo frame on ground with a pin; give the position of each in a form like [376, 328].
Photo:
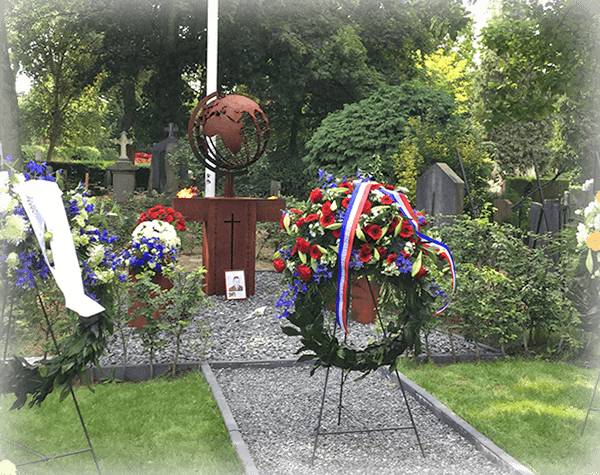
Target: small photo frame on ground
[235, 284]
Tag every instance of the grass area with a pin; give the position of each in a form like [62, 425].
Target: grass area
[533, 410]
[154, 427]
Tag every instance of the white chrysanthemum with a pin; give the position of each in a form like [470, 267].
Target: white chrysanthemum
[95, 255]
[14, 229]
[158, 229]
[104, 276]
[5, 201]
[594, 205]
[12, 260]
[582, 234]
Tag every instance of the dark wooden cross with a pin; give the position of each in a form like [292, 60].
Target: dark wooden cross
[233, 222]
[219, 254]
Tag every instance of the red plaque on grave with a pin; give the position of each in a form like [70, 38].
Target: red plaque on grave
[229, 234]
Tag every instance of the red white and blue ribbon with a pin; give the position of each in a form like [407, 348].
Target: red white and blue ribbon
[348, 231]
[427, 242]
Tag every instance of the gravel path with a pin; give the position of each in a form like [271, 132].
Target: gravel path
[277, 409]
[249, 330]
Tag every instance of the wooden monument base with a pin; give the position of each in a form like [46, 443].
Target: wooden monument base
[229, 234]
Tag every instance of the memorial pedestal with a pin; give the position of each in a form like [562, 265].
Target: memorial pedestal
[123, 180]
[229, 234]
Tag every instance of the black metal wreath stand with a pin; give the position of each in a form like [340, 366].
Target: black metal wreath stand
[341, 407]
[41, 456]
[590, 408]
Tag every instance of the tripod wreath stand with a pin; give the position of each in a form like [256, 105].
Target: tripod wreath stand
[40, 457]
[344, 376]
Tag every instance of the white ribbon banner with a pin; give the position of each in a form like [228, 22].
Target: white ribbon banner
[43, 204]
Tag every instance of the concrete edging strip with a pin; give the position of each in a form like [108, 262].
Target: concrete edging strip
[490, 450]
[232, 427]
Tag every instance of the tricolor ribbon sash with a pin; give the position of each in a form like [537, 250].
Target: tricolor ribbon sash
[348, 231]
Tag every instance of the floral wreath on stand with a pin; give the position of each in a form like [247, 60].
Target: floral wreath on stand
[359, 229]
[24, 269]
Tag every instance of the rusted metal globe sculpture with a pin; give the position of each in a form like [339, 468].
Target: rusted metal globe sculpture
[228, 134]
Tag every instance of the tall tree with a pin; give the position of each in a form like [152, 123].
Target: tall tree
[9, 118]
[55, 54]
[539, 60]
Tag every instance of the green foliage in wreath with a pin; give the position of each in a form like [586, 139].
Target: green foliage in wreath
[387, 250]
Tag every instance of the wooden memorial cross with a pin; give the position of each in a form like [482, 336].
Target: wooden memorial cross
[229, 239]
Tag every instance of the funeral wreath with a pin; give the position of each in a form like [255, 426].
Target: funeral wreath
[359, 228]
[27, 275]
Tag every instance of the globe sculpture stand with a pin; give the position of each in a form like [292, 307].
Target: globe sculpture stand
[228, 134]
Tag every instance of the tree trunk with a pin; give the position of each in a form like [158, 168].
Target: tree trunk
[9, 118]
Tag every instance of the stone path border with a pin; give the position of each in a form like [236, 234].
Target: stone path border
[490, 450]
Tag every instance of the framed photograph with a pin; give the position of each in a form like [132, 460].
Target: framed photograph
[235, 284]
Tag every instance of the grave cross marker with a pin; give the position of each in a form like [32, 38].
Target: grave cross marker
[233, 223]
[123, 141]
[171, 129]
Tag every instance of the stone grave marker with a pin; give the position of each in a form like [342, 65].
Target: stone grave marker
[275, 188]
[578, 198]
[503, 210]
[123, 171]
[163, 177]
[440, 191]
[552, 220]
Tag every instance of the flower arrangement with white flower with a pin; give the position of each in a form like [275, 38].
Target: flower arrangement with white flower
[24, 268]
[363, 229]
[154, 244]
[588, 234]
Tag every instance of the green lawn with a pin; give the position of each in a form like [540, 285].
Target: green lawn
[531, 409]
[156, 427]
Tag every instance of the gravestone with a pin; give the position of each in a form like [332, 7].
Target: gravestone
[163, 178]
[123, 171]
[503, 210]
[440, 191]
[275, 188]
[552, 220]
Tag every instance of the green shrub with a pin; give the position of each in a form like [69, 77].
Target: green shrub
[507, 294]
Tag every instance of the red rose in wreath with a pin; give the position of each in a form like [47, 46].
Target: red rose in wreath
[279, 265]
[304, 272]
[316, 195]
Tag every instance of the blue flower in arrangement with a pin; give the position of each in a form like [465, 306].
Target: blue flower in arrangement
[20, 249]
[369, 227]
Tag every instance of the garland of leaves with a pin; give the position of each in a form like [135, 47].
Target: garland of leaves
[400, 334]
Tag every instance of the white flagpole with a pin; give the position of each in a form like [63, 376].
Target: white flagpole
[212, 37]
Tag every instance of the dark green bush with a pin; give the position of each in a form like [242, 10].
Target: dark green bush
[507, 294]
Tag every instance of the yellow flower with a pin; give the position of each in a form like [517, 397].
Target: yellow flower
[598, 197]
[593, 241]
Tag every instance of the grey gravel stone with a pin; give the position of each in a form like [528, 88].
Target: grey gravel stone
[249, 330]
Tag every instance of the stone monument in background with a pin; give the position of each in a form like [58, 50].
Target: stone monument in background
[440, 191]
[123, 171]
[163, 177]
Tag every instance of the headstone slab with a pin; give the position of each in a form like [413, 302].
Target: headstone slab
[440, 191]
[162, 175]
[503, 210]
[554, 220]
